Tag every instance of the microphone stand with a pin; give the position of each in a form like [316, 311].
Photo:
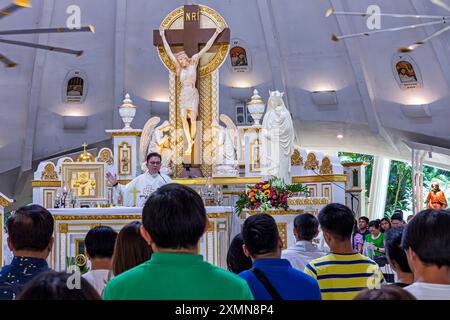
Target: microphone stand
[353, 197]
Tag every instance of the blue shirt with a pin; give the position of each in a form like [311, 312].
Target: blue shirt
[14, 276]
[290, 283]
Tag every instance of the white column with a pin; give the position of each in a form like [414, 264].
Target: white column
[378, 187]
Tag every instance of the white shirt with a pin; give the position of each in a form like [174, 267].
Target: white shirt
[429, 291]
[300, 254]
[145, 184]
[98, 279]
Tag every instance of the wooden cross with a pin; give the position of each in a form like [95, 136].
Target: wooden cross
[134, 191]
[192, 36]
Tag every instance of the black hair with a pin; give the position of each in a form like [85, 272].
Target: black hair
[429, 237]
[260, 234]
[338, 220]
[388, 221]
[394, 251]
[154, 154]
[175, 216]
[375, 224]
[397, 216]
[307, 226]
[365, 219]
[53, 285]
[237, 261]
[389, 292]
[30, 228]
[99, 242]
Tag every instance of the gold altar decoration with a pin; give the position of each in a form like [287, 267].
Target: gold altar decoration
[296, 158]
[88, 179]
[282, 231]
[85, 156]
[49, 172]
[4, 203]
[326, 167]
[106, 156]
[311, 162]
[207, 87]
[308, 201]
[124, 160]
[84, 183]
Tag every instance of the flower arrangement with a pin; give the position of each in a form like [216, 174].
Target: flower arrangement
[265, 195]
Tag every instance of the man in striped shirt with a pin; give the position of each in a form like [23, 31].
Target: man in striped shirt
[342, 274]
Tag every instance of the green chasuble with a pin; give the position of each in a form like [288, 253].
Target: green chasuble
[177, 276]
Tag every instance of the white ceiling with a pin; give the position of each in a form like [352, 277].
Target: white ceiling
[289, 42]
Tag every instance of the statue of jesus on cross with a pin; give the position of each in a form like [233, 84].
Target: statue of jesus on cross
[186, 70]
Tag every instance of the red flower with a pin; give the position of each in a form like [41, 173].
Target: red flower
[274, 197]
[281, 194]
[284, 199]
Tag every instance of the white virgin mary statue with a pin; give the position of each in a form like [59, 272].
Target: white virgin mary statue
[277, 139]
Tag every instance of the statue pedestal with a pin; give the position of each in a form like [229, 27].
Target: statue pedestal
[126, 153]
[252, 150]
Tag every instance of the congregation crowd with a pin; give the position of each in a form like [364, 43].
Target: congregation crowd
[335, 257]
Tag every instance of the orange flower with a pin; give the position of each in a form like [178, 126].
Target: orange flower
[252, 194]
[267, 193]
[252, 199]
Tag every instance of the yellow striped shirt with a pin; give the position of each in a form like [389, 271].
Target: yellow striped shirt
[343, 276]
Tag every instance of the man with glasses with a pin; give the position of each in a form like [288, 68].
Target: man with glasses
[136, 192]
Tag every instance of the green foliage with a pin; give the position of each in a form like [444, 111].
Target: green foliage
[400, 186]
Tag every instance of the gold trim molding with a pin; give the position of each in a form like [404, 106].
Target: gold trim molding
[126, 134]
[63, 228]
[308, 201]
[322, 178]
[275, 212]
[45, 183]
[4, 202]
[60, 217]
[254, 180]
[354, 164]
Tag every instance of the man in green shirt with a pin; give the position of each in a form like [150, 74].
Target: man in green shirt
[174, 219]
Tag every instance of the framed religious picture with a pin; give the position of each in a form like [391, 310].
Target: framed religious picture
[86, 180]
[240, 57]
[406, 72]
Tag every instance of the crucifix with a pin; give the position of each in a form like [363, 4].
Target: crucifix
[192, 36]
[186, 62]
[134, 192]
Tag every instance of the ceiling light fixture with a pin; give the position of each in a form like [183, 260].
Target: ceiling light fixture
[438, 20]
[17, 5]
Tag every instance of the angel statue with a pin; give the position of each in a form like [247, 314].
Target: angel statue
[186, 70]
[277, 139]
[156, 139]
[227, 142]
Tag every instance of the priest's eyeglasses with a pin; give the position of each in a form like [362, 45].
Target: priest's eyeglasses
[155, 163]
